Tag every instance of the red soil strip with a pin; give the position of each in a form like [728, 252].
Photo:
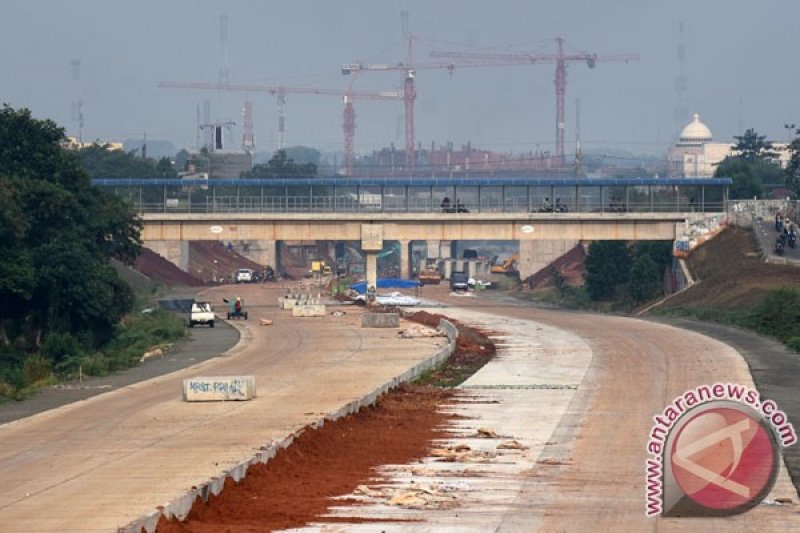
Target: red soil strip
[473, 350]
[157, 268]
[295, 487]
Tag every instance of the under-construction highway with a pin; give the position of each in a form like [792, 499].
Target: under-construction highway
[577, 391]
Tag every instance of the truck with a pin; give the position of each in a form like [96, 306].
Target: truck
[459, 281]
[201, 313]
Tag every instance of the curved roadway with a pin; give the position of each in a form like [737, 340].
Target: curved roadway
[97, 464]
[637, 369]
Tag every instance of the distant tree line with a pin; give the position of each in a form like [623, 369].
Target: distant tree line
[754, 163]
[100, 162]
[282, 166]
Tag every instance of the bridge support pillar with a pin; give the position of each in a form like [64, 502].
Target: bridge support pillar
[536, 255]
[433, 249]
[263, 252]
[371, 272]
[176, 252]
[446, 249]
[405, 259]
[448, 268]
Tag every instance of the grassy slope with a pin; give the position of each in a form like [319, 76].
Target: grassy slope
[732, 274]
[737, 287]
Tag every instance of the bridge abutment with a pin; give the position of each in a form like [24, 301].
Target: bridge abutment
[176, 252]
[536, 255]
[263, 252]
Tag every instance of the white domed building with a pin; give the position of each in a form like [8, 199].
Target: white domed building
[695, 155]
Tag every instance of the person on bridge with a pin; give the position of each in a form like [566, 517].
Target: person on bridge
[445, 205]
[778, 221]
[779, 246]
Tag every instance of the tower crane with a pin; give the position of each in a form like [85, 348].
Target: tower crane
[560, 59]
[348, 96]
[409, 70]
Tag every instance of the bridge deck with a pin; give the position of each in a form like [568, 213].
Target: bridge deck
[420, 196]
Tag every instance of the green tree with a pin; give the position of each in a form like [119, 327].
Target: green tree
[100, 162]
[646, 279]
[165, 168]
[743, 172]
[303, 155]
[792, 172]
[752, 146]
[57, 234]
[281, 166]
[608, 266]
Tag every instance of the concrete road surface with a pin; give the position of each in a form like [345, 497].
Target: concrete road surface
[99, 463]
[593, 479]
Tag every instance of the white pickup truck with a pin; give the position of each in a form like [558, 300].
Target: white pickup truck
[202, 313]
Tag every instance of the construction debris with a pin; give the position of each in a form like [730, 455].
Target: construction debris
[461, 454]
[511, 445]
[417, 331]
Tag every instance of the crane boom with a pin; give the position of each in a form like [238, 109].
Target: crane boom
[279, 89]
[559, 58]
[348, 96]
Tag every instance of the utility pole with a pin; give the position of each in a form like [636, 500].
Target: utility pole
[578, 169]
[77, 103]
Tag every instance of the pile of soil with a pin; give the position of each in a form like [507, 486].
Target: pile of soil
[571, 266]
[296, 486]
[426, 319]
[732, 273]
[212, 260]
[159, 269]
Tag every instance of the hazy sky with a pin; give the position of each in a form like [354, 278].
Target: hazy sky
[741, 68]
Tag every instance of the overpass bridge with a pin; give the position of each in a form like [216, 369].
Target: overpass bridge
[556, 213]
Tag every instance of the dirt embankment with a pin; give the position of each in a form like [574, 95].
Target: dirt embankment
[570, 265]
[159, 269]
[298, 485]
[732, 274]
[211, 261]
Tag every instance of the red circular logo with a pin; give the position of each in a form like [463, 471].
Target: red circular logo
[724, 458]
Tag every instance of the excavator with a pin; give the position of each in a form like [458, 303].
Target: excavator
[508, 266]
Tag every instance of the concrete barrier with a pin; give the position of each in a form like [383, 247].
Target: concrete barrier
[380, 320]
[179, 508]
[286, 303]
[215, 389]
[309, 310]
[449, 329]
